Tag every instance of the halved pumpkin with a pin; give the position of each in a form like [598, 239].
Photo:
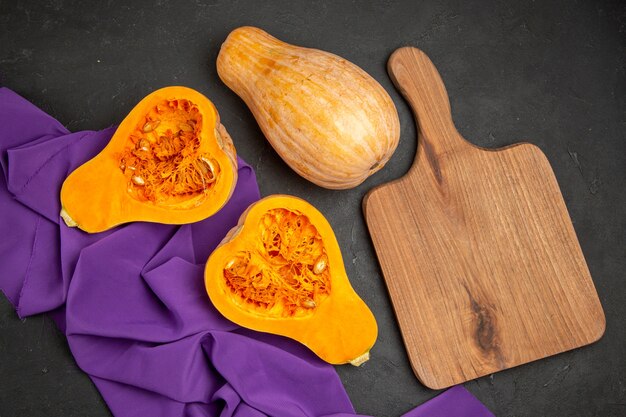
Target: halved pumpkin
[169, 161]
[280, 271]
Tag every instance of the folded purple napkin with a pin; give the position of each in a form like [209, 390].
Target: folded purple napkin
[132, 302]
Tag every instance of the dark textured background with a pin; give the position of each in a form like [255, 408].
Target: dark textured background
[552, 73]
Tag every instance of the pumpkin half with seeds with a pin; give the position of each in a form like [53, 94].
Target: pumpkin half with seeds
[280, 271]
[169, 161]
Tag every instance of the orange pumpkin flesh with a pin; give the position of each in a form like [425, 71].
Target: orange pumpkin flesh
[280, 271]
[169, 161]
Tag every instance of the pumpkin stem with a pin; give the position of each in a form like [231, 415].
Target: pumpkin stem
[360, 360]
[67, 219]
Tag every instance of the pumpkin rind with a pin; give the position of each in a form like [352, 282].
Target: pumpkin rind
[335, 324]
[104, 193]
[326, 117]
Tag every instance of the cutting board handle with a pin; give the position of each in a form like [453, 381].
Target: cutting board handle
[415, 76]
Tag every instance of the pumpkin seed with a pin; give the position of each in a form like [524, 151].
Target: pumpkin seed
[208, 168]
[230, 263]
[143, 145]
[138, 180]
[185, 127]
[308, 303]
[320, 266]
[150, 126]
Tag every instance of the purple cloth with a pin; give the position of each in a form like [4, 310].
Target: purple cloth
[132, 302]
[455, 402]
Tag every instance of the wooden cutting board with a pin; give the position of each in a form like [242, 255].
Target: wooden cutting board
[477, 248]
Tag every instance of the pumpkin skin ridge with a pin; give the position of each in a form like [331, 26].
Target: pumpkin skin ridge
[359, 72]
[240, 67]
[284, 150]
[289, 146]
[341, 319]
[109, 184]
[331, 181]
[325, 157]
[312, 149]
[363, 99]
[317, 148]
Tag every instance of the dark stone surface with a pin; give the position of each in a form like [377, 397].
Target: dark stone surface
[551, 73]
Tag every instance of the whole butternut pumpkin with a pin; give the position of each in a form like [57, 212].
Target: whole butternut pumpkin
[328, 119]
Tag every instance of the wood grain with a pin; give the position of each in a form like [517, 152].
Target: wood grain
[477, 248]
